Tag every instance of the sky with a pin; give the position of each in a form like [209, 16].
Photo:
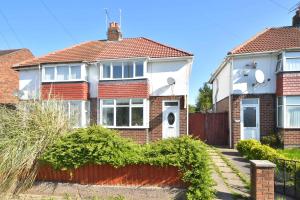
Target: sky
[208, 29]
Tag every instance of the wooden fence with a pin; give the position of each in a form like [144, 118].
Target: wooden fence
[210, 127]
[138, 175]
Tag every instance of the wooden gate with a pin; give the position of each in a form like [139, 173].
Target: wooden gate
[211, 128]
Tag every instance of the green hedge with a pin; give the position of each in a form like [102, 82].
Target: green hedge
[104, 146]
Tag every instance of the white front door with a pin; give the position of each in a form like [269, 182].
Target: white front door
[250, 119]
[170, 119]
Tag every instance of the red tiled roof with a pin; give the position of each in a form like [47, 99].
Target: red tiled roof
[271, 39]
[103, 49]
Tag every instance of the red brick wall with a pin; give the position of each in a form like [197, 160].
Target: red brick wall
[66, 90]
[138, 135]
[288, 84]
[291, 137]
[9, 79]
[123, 89]
[223, 105]
[267, 104]
[156, 116]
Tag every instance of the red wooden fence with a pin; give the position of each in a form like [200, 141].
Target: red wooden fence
[210, 127]
[138, 175]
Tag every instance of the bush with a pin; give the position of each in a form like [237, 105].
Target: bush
[244, 146]
[272, 140]
[103, 146]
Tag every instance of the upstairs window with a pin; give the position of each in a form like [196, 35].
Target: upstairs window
[122, 70]
[62, 73]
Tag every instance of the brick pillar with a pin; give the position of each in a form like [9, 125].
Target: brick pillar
[262, 180]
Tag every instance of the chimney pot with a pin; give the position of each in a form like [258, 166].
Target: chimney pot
[114, 32]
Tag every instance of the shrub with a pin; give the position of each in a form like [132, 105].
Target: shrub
[244, 146]
[272, 140]
[26, 131]
[102, 146]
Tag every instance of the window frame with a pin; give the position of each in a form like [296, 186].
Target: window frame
[283, 58]
[84, 112]
[111, 64]
[144, 105]
[284, 114]
[70, 79]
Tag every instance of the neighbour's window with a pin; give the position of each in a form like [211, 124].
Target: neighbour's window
[49, 73]
[123, 112]
[77, 111]
[279, 65]
[62, 73]
[288, 112]
[122, 70]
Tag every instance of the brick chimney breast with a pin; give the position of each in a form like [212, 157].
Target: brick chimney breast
[296, 19]
[114, 32]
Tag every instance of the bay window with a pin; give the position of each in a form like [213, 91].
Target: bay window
[288, 62]
[123, 113]
[70, 72]
[288, 112]
[122, 70]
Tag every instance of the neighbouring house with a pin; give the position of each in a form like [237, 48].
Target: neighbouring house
[135, 85]
[258, 84]
[9, 79]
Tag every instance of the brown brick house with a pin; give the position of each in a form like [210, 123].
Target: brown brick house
[9, 79]
[258, 84]
[135, 85]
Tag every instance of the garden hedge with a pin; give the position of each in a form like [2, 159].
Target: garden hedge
[98, 145]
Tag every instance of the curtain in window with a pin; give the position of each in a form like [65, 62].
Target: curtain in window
[292, 64]
[293, 116]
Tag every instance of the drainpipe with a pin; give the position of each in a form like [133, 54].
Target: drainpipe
[230, 92]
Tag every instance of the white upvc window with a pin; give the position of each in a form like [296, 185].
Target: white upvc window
[288, 62]
[64, 73]
[77, 112]
[123, 113]
[122, 70]
[288, 112]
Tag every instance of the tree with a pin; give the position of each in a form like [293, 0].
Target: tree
[192, 108]
[204, 99]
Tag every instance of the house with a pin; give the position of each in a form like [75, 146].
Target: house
[135, 85]
[9, 79]
[258, 84]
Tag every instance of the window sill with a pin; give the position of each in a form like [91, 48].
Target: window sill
[65, 81]
[123, 79]
[126, 127]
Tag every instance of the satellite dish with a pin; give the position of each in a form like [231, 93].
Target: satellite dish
[259, 76]
[171, 81]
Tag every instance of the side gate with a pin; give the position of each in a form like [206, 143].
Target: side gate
[211, 128]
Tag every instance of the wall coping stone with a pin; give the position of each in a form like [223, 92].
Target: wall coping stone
[263, 163]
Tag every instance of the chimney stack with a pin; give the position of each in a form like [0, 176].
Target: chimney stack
[296, 19]
[114, 32]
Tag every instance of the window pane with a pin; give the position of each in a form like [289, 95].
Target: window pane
[139, 69]
[122, 116]
[292, 64]
[171, 103]
[280, 116]
[106, 71]
[66, 107]
[293, 117]
[137, 116]
[75, 72]
[49, 73]
[280, 100]
[249, 117]
[117, 70]
[293, 100]
[108, 116]
[250, 101]
[108, 102]
[128, 70]
[75, 111]
[62, 73]
[122, 101]
[137, 101]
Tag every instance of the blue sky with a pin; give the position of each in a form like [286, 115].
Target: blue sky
[209, 29]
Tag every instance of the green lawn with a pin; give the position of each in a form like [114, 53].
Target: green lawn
[291, 153]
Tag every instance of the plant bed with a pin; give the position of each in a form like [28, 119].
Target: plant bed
[173, 162]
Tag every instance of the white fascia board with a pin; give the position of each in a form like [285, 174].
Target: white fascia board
[166, 59]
